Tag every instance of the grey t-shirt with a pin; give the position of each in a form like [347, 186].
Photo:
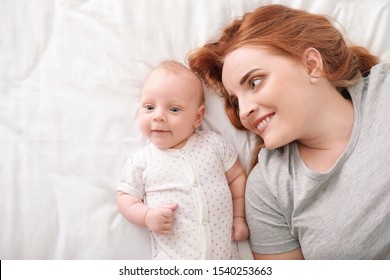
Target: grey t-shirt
[341, 214]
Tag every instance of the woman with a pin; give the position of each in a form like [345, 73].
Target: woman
[320, 189]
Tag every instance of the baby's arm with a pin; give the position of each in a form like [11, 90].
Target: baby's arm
[159, 219]
[237, 179]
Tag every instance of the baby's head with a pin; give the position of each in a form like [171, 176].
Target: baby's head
[172, 105]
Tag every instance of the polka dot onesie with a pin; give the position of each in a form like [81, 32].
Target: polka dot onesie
[194, 178]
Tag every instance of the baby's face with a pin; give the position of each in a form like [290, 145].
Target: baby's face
[170, 109]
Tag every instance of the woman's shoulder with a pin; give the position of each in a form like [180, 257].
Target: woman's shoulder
[374, 84]
[380, 74]
[274, 165]
[383, 66]
[276, 157]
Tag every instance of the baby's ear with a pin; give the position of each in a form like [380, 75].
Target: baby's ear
[199, 115]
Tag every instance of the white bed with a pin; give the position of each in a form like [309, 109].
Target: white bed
[70, 79]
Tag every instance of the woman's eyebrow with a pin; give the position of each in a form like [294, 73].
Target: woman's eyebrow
[243, 79]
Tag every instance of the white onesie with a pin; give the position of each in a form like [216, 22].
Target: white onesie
[194, 178]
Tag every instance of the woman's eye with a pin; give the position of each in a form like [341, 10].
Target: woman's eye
[255, 82]
[149, 107]
[175, 109]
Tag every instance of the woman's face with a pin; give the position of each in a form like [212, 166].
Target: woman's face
[273, 92]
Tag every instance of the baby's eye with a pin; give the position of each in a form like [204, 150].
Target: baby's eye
[255, 82]
[174, 109]
[149, 107]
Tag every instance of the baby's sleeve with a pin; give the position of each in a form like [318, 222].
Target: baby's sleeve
[226, 151]
[130, 180]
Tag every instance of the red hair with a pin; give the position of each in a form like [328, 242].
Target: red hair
[289, 32]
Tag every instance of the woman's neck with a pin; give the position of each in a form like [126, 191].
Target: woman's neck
[326, 144]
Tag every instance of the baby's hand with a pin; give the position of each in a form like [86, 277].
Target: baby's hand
[240, 229]
[160, 219]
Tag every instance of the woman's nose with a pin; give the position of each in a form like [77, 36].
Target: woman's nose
[247, 108]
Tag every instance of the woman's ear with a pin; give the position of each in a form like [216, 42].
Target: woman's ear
[312, 59]
[199, 116]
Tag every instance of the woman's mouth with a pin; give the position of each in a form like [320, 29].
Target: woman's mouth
[263, 122]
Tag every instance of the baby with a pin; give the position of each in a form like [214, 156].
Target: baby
[187, 186]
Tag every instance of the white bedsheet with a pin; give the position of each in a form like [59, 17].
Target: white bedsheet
[70, 79]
